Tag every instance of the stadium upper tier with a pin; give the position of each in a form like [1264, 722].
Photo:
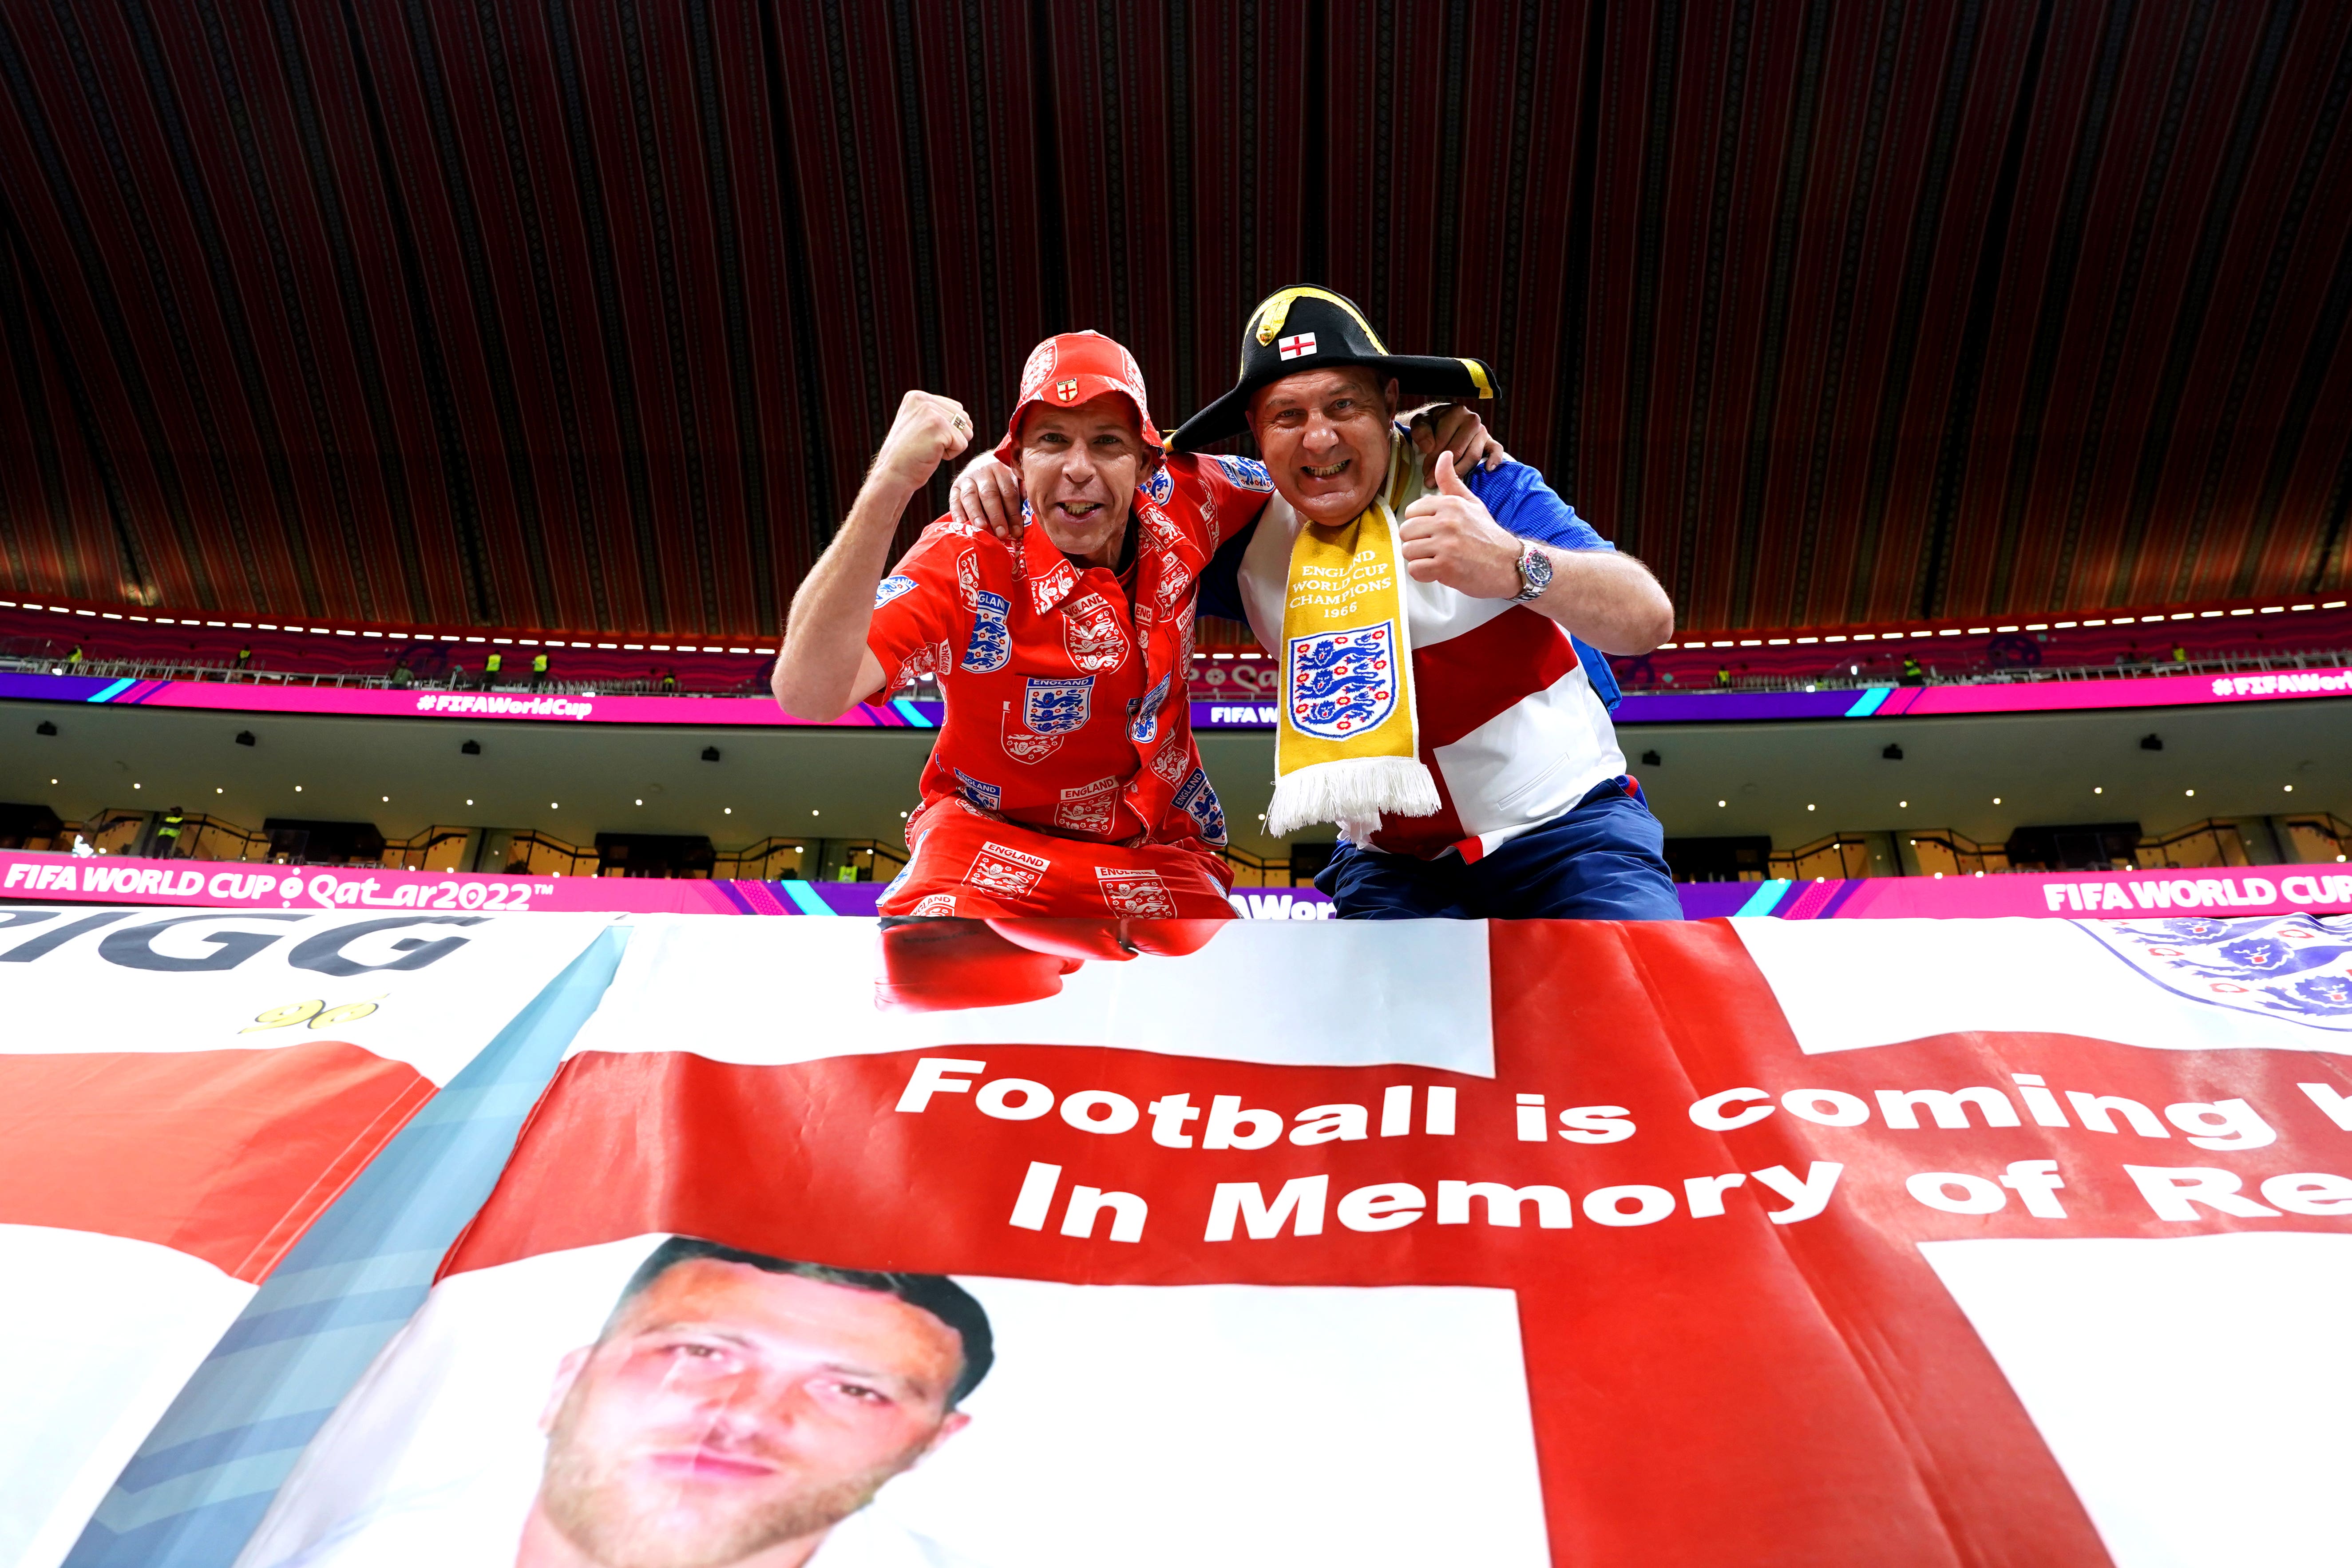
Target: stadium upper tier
[124, 640]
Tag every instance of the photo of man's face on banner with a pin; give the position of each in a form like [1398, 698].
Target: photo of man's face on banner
[675, 1403]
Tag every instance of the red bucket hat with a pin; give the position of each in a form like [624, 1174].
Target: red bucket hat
[1072, 368]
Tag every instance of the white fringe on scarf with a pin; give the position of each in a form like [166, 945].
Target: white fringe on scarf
[1354, 792]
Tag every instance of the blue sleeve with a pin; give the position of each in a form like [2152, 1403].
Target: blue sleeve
[1221, 580]
[1527, 506]
[1524, 504]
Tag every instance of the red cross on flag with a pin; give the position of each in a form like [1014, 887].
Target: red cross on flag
[1297, 346]
[1067, 391]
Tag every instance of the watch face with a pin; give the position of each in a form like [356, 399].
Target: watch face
[1534, 573]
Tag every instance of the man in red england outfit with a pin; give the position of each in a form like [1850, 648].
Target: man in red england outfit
[1065, 781]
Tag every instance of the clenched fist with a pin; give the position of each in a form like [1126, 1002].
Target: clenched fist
[929, 430]
[1450, 537]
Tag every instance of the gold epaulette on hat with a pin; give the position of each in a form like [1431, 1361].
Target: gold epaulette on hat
[1275, 309]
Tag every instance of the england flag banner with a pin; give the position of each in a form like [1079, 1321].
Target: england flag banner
[183, 1094]
[1061, 1242]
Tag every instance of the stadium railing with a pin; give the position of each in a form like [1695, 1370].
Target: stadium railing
[1860, 674]
[2303, 837]
[2308, 837]
[1880, 672]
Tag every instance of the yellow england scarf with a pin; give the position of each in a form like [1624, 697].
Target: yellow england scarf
[1347, 748]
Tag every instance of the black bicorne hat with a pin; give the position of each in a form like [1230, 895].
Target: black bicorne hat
[1304, 328]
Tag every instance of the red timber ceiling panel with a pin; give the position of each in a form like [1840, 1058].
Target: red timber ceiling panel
[588, 313]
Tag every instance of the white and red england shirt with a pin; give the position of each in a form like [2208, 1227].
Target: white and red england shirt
[1064, 688]
[1512, 726]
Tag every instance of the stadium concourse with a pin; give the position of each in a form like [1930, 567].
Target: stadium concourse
[822, 807]
[126, 640]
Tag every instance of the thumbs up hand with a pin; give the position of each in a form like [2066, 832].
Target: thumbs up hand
[1450, 537]
[1448, 483]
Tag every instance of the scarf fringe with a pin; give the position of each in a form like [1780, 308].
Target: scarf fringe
[1354, 791]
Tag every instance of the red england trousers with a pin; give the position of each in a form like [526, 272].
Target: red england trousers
[974, 866]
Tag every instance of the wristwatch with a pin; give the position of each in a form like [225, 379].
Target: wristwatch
[1534, 573]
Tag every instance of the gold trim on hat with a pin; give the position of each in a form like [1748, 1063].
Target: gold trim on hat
[1275, 308]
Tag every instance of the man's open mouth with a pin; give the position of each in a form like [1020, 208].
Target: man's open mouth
[1079, 510]
[712, 1465]
[1331, 472]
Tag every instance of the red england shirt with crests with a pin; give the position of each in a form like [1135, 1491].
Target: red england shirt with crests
[1066, 710]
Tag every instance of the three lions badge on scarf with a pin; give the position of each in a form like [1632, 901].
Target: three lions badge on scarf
[1342, 682]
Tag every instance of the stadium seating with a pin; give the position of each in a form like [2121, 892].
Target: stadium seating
[110, 635]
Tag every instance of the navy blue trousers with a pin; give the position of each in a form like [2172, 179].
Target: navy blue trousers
[1604, 861]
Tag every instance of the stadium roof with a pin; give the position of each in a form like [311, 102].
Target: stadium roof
[588, 312]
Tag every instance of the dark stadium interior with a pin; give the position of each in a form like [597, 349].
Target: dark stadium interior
[571, 325]
[588, 316]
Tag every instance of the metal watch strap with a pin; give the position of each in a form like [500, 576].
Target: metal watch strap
[1534, 573]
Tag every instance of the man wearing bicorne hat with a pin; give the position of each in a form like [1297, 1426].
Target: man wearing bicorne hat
[1444, 696]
